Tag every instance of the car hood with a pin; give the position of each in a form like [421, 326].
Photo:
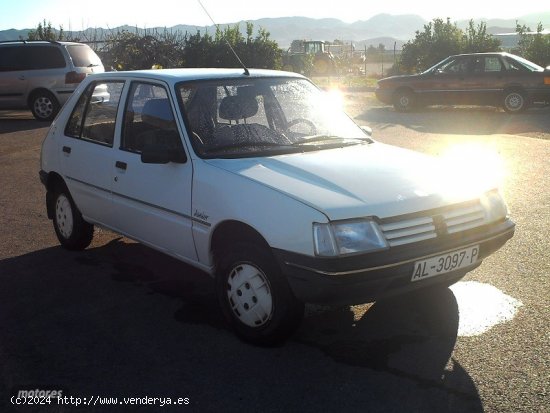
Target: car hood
[357, 181]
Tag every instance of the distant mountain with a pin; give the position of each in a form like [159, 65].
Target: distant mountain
[400, 27]
[13, 34]
[286, 29]
[390, 28]
[388, 43]
[509, 25]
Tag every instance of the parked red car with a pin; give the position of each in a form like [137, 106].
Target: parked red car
[496, 79]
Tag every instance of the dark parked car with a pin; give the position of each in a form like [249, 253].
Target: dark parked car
[499, 79]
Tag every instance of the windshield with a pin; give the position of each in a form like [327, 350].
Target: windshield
[441, 63]
[263, 116]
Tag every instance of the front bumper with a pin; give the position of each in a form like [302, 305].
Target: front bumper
[367, 277]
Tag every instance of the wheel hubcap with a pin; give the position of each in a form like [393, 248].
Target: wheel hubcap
[249, 295]
[514, 101]
[43, 106]
[64, 216]
[404, 101]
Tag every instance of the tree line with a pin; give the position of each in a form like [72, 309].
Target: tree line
[131, 50]
[163, 48]
[440, 39]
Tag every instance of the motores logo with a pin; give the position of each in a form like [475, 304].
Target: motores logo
[39, 393]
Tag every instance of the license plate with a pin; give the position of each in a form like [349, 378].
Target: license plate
[445, 263]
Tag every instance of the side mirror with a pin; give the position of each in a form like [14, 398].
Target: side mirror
[161, 154]
[367, 130]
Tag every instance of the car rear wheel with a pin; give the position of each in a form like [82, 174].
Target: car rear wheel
[404, 100]
[255, 297]
[44, 106]
[514, 101]
[72, 231]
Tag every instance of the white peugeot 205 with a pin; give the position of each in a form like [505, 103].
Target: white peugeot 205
[258, 180]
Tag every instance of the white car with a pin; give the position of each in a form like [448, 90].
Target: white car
[260, 181]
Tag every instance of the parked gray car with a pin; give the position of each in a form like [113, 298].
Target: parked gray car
[41, 75]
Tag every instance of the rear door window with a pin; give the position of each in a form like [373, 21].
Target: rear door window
[94, 116]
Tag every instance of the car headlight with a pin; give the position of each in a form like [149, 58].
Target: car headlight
[494, 206]
[347, 237]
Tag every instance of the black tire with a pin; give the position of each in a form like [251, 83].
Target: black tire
[404, 100]
[514, 101]
[255, 297]
[72, 231]
[44, 106]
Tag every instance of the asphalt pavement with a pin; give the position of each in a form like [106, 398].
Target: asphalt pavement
[120, 320]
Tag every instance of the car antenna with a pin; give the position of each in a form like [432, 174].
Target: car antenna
[246, 72]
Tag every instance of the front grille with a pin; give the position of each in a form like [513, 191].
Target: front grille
[453, 220]
[409, 231]
[464, 218]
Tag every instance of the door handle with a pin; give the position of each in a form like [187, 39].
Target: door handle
[22, 77]
[121, 165]
[67, 149]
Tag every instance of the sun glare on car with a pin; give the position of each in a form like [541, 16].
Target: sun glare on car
[470, 168]
[335, 99]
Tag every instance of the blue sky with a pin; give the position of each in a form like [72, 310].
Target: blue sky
[20, 14]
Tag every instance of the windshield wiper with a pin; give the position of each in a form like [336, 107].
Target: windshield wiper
[236, 145]
[324, 138]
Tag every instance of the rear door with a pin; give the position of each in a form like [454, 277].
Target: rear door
[487, 79]
[87, 151]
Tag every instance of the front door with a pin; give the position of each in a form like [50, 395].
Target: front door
[152, 202]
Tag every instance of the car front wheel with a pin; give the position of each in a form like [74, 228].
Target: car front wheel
[404, 100]
[72, 231]
[255, 297]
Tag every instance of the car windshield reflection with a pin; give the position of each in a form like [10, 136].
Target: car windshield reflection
[255, 117]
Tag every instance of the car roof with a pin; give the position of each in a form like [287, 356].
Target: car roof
[39, 42]
[483, 54]
[179, 75]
